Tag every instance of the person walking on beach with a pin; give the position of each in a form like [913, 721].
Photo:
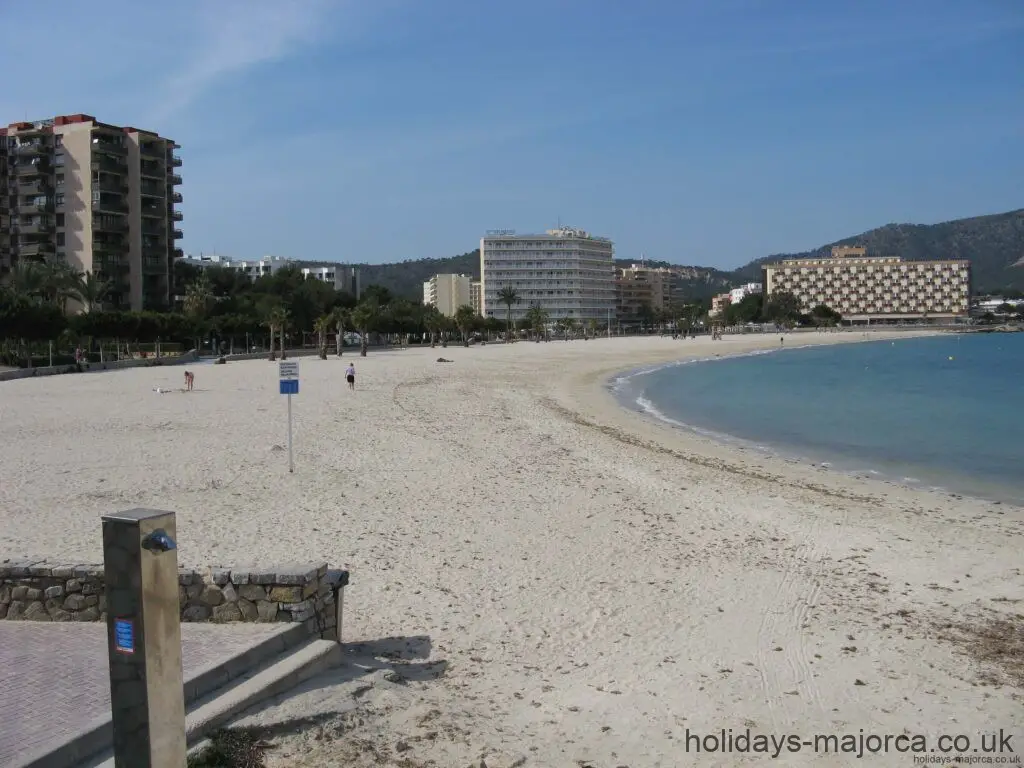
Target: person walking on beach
[350, 375]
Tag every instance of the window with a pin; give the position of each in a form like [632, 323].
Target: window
[96, 196]
[60, 179]
[60, 219]
[58, 140]
[59, 198]
[60, 238]
[58, 159]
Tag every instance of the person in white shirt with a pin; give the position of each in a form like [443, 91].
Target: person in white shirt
[350, 375]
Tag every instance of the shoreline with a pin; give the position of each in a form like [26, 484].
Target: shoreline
[538, 576]
[841, 464]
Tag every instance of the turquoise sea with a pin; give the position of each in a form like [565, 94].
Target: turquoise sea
[942, 412]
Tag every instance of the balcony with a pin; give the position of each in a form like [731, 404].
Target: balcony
[178, 253]
[40, 186]
[36, 228]
[34, 207]
[175, 161]
[177, 215]
[109, 165]
[108, 184]
[34, 168]
[155, 230]
[109, 147]
[109, 205]
[151, 169]
[154, 265]
[31, 149]
[177, 198]
[177, 234]
[152, 149]
[153, 190]
[29, 250]
[109, 224]
[174, 179]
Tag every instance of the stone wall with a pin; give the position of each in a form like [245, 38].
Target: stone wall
[310, 594]
[110, 365]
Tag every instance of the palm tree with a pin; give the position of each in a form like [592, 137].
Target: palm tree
[275, 318]
[323, 324]
[91, 291]
[365, 318]
[433, 321]
[27, 279]
[464, 318]
[339, 318]
[538, 319]
[508, 296]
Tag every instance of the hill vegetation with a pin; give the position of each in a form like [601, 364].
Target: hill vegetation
[993, 244]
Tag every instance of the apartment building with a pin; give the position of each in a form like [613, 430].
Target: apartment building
[342, 277]
[448, 293]
[99, 197]
[639, 288]
[866, 289]
[567, 272]
[475, 297]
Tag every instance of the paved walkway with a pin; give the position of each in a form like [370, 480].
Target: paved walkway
[55, 680]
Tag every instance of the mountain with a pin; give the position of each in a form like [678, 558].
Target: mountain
[993, 244]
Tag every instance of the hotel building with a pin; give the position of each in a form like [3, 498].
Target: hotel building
[567, 272]
[448, 293]
[639, 286]
[97, 197]
[865, 288]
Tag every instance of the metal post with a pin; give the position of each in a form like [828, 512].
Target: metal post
[291, 464]
[147, 699]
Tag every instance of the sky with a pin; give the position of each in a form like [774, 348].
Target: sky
[706, 132]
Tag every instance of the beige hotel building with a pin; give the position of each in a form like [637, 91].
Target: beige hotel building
[95, 196]
[448, 292]
[865, 289]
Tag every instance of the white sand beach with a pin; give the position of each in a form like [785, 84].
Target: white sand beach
[539, 577]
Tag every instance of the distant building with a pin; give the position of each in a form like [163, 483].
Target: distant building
[475, 296]
[341, 276]
[447, 293]
[639, 286]
[866, 289]
[733, 296]
[567, 272]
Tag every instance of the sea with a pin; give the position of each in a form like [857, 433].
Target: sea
[943, 412]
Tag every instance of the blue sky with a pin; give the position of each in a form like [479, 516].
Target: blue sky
[697, 131]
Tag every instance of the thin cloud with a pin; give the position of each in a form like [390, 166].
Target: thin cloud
[234, 36]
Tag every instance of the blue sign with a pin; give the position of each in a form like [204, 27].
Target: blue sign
[124, 636]
[289, 386]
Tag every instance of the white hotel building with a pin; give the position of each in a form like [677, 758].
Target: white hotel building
[567, 272]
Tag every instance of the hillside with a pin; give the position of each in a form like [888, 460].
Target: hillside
[993, 244]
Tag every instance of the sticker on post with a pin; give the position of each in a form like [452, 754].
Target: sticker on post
[124, 636]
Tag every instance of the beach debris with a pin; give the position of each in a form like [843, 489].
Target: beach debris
[276, 448]
[858, 681]
[444, 360]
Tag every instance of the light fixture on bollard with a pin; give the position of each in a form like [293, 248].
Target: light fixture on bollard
[147, 698]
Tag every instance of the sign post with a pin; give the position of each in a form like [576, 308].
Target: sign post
[147, 700]
[289, 374]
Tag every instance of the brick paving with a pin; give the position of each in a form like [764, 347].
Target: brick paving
[55, 681]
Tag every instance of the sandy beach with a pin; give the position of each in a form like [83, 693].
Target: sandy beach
[540, 577]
